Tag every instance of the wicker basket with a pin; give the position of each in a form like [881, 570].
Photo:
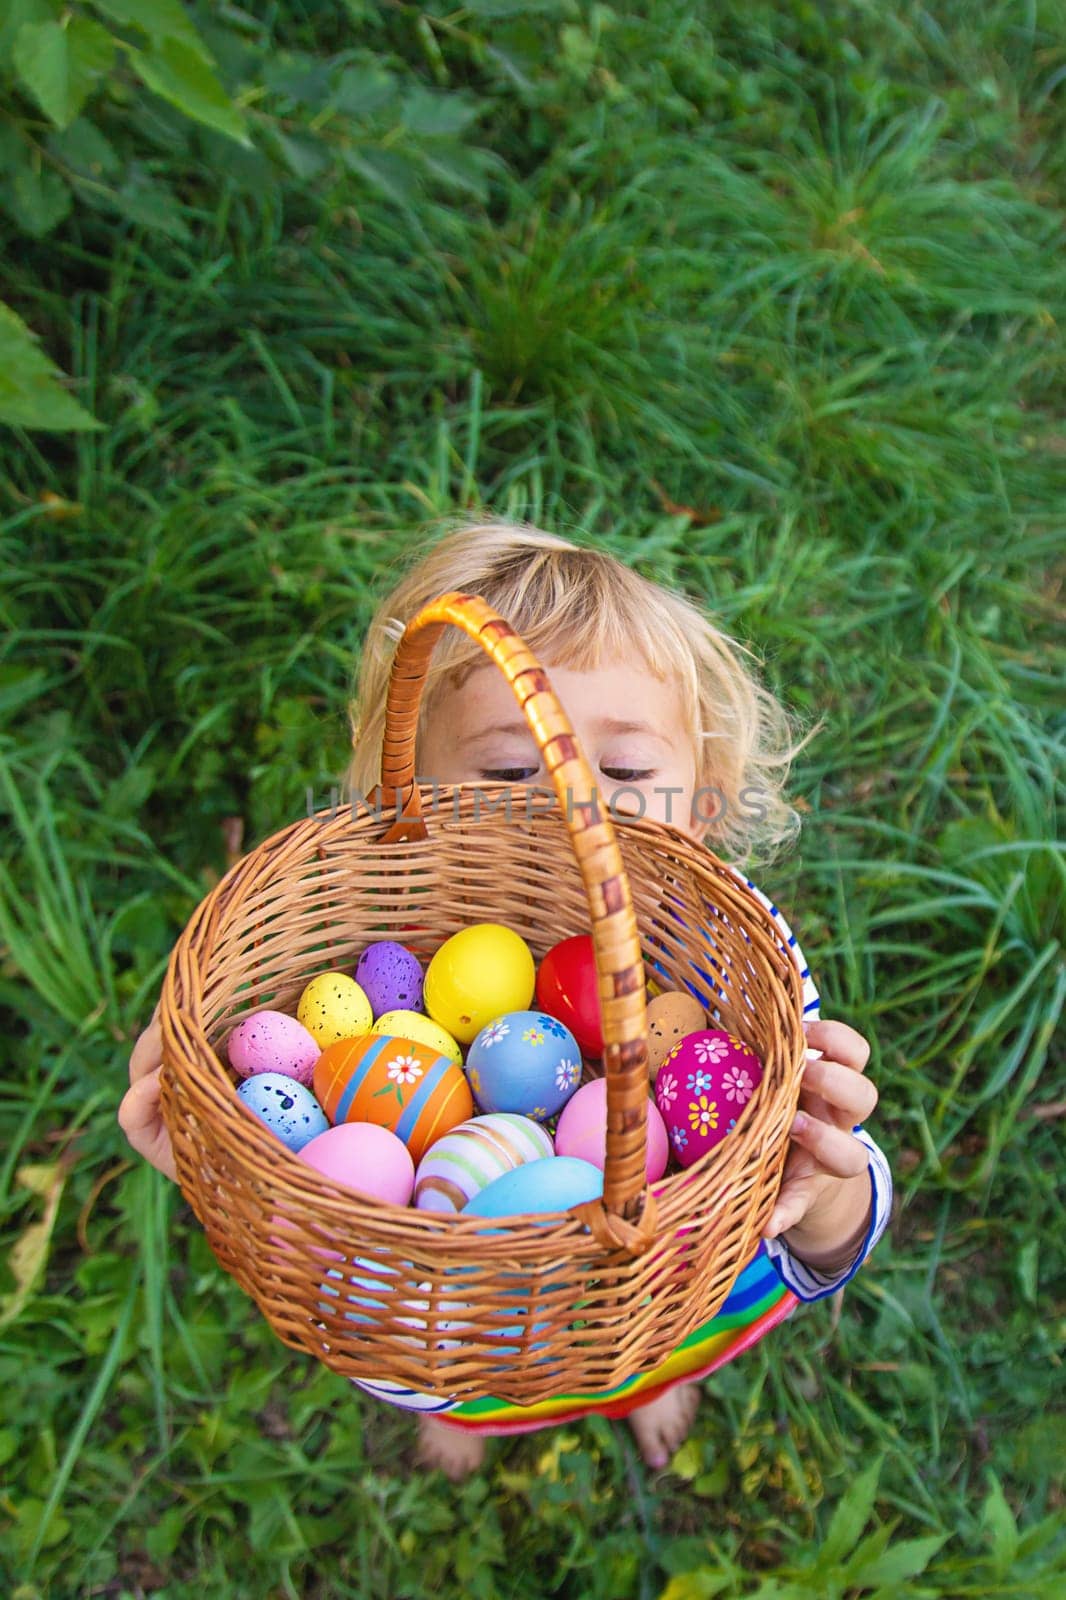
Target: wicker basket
[521, 1309]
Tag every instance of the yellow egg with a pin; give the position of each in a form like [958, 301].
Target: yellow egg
[334, 1007]
[477, 975]
[413, 1025]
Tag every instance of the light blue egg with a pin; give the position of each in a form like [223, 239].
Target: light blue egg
[373, 1280]
[526, 1062]
[290, 1111]
[555, 1183]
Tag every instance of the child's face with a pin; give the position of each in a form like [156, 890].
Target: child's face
[629, 724]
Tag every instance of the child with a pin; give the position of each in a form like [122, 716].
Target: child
[667, 712]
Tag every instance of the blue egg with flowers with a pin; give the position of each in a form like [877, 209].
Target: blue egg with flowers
[524, 1062]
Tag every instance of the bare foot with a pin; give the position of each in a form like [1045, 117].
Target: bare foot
[662, 1425]
[457, 1454]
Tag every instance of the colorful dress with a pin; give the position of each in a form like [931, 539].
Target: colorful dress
[767, 1291]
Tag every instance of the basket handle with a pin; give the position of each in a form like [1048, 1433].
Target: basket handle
[625, 1218]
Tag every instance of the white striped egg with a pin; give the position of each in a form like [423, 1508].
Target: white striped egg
[473, 1155]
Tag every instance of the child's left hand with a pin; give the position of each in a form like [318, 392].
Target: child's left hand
[825, 1197]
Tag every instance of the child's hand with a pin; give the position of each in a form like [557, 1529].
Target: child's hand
[826, 1196]
[139, 1115]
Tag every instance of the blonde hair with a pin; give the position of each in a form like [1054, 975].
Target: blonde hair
[579, 607]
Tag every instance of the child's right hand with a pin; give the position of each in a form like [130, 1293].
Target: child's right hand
[139, 1114]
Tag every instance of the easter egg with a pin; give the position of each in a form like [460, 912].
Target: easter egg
[286, 1107]
[476, 975]
[671, 1015]
[370, 1281]
[390, 977]
[554, 1183]
[398, 1083]
[272, 1041]
[701, 1089]
[473, 1155]
[568, 988]
[365, 1157]
[413, 1025]
[524, 1061]
[334, 1007]
[372, 1278]
[582, 1130]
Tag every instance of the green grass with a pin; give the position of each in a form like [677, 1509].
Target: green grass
[772, 307]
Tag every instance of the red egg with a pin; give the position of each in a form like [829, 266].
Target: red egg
[701, 1089]
[568, 989]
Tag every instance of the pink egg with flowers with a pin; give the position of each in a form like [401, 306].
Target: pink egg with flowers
[701, 1090]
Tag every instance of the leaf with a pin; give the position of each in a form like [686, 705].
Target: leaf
[306, 158]
[851, 1516]
[30, 395]
[1041, 1534]
[387, 170]
[159, 20]
[432, 114]
[36, 198]
[296, 76]
[904, 1560]
[687, 1461]
[997, 1519]
[33, 1529]
[458, 168]
[151, 206]
[700, 1585]
[60, 66]
[28, 1256]
[361, 91]
[1029, 1270]
[161, 1539]
[182, 76]
[83, 148]
[513, 8]
[14, 14]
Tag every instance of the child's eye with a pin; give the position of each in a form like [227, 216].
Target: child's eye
[626, 774]
[510, 774]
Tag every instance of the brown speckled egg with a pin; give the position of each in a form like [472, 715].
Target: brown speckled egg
[670, 1017]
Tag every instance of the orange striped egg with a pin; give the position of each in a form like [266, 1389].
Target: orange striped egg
[398, 1083]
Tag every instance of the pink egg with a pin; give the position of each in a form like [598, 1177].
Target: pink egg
[582, 1130]
[272, 1041]
[701, 1089]
[365, 1157]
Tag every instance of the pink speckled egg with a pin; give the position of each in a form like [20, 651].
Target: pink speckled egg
[272, 1041]
[365, 1157]
[582, 1130]
[701, 1089]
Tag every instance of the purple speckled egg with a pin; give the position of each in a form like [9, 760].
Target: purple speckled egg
[272, 1041]
[390, 977]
